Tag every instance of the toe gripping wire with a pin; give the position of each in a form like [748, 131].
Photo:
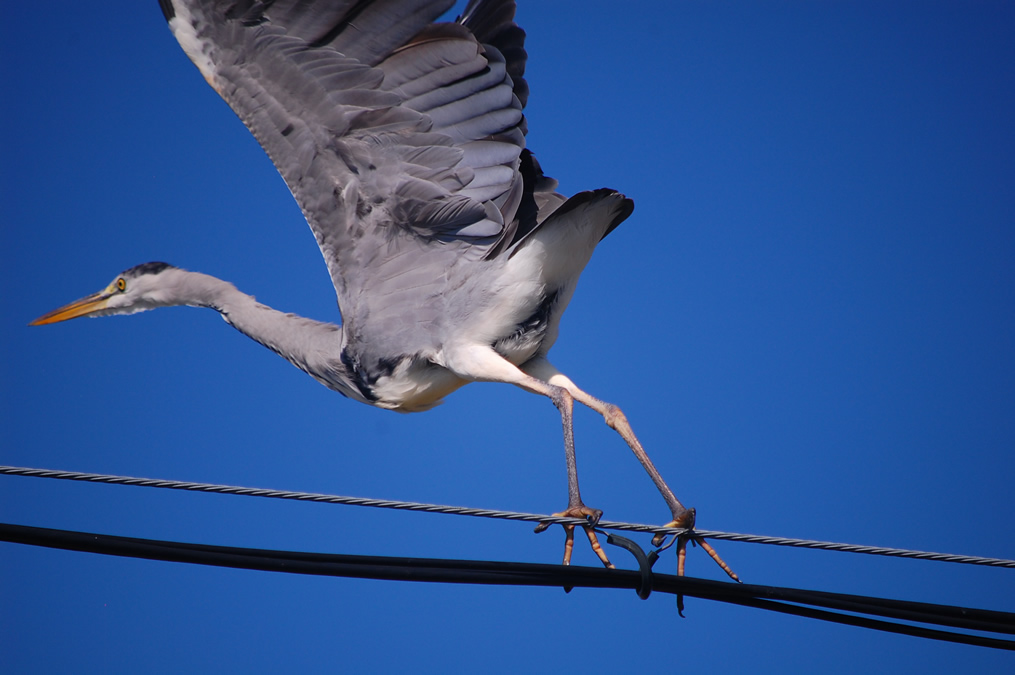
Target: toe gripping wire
[495, 513]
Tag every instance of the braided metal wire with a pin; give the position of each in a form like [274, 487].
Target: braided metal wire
[493, 513]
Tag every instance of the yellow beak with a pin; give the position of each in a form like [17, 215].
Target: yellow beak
[82, 307]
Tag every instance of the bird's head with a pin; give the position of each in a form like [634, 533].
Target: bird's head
[135, 290]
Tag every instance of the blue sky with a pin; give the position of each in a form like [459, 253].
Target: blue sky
[808, 319]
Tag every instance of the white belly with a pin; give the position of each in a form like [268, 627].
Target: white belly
[415, 388]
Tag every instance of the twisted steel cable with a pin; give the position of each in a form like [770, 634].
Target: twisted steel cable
[494, 513]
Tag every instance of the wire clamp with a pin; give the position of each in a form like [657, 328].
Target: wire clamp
[645, 562]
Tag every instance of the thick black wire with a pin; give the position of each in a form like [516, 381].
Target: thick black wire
[785, 600]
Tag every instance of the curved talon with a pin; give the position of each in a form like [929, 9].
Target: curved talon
[592, 516]
[594, 541]
[686, 521]
[715, 556]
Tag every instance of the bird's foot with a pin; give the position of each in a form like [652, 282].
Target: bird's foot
[686, 520]
[579, 510]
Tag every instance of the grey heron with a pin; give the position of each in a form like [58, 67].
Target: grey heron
[403, 141]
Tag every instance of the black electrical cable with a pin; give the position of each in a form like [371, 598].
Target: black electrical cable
[785, 600]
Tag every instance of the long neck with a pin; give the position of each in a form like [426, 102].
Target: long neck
[312, 346]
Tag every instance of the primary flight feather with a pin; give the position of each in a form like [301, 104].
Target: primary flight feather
[403, 141]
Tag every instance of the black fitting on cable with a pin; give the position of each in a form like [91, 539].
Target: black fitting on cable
[644, 562]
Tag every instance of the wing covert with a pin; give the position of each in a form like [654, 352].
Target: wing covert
[401, 140]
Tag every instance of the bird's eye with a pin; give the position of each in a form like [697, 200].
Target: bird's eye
[121, 284]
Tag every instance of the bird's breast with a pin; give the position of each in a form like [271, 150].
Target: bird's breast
[408, 384]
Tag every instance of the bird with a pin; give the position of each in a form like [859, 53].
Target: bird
[403, 139]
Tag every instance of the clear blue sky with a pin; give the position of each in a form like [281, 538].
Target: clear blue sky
[809, 319]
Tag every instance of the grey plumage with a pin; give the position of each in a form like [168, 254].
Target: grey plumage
[403, 141]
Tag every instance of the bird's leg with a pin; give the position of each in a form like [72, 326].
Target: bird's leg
[484, 364]
[682, 517]
[575, 507]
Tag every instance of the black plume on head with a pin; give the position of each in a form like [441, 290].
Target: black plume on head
[146, 268]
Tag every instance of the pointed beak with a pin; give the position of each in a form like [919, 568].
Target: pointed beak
[83, 307]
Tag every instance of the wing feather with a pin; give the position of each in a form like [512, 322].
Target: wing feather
[402, 140]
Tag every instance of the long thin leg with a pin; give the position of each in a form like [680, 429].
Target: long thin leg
[542, 369]
[484, 364]
[615, 418]
[575, 507]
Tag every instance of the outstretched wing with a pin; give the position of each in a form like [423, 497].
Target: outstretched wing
[402, 140]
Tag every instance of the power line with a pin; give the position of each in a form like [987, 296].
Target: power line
[812, 604]
[492, 513]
